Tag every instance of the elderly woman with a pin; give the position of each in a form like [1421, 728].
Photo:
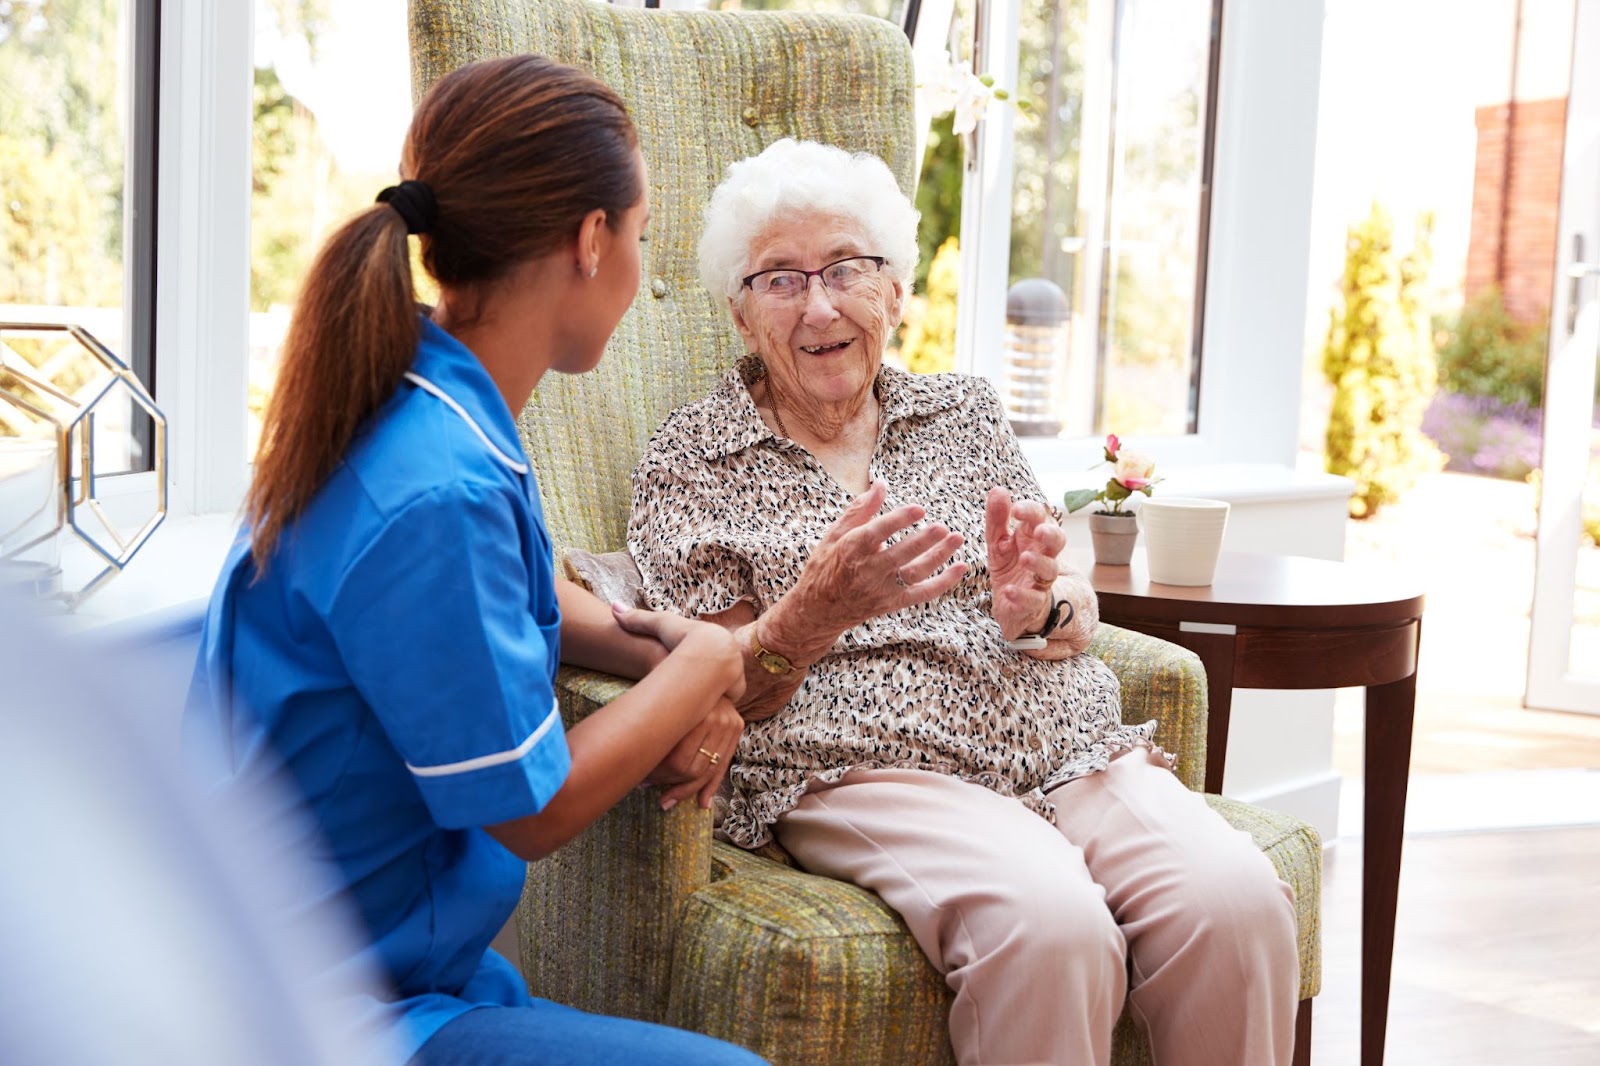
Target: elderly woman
[922, 717]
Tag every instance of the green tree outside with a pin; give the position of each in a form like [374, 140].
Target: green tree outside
[1379, 358]
[61, 153]
[929, 342]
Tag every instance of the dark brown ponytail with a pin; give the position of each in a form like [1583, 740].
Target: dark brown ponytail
[516, 152]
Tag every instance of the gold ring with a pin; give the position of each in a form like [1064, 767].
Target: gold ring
[1042, 584]
[713, 756]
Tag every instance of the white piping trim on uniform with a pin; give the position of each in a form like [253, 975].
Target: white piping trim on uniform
[427, 386]
[499, 757]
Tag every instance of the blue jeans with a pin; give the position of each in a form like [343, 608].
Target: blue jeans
[549, 1034]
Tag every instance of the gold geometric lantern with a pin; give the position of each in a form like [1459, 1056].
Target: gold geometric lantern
[72, 399]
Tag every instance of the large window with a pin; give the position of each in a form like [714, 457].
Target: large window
[884, 9]
[206, 297]
[77, 151]
[1102, 178]
[332, 99]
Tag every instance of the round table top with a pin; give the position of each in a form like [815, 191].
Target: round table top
[1259, 589]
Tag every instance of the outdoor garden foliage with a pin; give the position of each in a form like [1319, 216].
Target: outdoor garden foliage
[1379, 358]
[1483, 351]
[929, 343]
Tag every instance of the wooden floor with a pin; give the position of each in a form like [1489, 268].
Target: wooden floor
[1497, 952]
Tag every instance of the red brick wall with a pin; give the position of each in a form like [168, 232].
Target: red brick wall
[1530, 205]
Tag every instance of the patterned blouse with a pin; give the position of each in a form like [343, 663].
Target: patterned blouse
[724, 510]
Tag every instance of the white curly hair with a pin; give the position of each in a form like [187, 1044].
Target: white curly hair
[793, 179]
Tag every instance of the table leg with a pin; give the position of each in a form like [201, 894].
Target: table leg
[1302, 1034]
[1390, 712]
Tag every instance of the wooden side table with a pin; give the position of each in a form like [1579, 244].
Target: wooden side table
[1284, 622]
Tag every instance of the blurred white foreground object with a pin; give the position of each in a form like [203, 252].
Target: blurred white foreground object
[140, 923]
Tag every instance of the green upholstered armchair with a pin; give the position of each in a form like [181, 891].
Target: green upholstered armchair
[645, 915]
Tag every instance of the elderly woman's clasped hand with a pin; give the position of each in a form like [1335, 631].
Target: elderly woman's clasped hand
[1024, 541]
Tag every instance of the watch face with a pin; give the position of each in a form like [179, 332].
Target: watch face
[773, 663]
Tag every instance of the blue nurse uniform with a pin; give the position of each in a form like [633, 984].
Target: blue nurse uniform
[396, 658]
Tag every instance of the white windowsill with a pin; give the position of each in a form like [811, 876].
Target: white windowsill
[171, 575]
[176, 568]
[1235, 482]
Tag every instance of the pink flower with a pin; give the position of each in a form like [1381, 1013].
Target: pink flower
[1134, 470]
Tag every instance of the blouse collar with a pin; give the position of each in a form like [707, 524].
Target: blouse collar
[902, 394]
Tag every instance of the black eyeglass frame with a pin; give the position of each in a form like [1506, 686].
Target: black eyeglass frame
[820, 272]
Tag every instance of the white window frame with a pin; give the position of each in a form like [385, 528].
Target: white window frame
[1258, 253]
[203, 258]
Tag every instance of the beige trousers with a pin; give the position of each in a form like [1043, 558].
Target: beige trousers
[1039, 929]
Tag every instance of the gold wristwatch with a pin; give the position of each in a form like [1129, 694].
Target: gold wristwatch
[770, 661]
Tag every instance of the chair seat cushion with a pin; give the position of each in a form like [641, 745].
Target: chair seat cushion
[802, 969]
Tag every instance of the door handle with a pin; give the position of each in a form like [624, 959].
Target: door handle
[1577, 270]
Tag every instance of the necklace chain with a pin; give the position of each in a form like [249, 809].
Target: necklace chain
[772, 400]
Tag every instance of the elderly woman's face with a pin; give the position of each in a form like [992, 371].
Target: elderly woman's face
[821, 342]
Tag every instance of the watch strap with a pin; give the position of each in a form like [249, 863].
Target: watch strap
[770, 661]
[1053, 621]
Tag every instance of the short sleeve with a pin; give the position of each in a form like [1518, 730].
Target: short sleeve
[685, 562]
[448, 635]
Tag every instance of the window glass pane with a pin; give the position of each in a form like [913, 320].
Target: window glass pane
[332, 102]
[65, 80]
[884, 9]
[1107, 207]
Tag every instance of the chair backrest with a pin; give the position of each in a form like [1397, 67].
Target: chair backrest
[706, 89]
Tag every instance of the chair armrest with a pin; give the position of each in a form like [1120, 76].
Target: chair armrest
[1160, 680]
[597, 918]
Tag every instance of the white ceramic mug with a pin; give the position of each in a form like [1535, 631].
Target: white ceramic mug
[1182, 538]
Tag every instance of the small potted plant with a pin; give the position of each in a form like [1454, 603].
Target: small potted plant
[1112, 528]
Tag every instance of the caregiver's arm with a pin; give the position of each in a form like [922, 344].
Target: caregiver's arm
[591, 637]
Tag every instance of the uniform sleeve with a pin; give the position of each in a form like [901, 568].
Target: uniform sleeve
[439, 624]
[684, 559]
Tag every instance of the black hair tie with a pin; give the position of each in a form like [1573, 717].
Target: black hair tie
[414, 202]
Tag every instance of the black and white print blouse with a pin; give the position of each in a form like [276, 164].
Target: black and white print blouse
[724, 510]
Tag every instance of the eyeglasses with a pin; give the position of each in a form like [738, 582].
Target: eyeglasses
[847, 276]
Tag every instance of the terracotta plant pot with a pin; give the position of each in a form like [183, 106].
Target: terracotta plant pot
[1113, 537]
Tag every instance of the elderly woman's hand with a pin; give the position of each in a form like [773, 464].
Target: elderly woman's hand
[856, 573]
[1024, 541]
